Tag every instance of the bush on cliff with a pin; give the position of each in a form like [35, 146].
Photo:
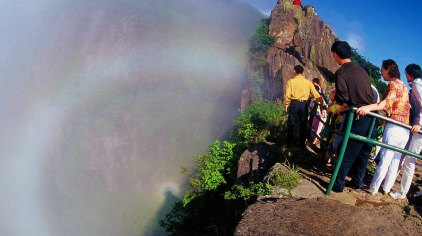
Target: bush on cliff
[211, 169]
[213, 204]
[261, 40]
[262, 121]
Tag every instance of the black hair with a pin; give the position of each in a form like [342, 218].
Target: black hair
[414, 71]
[315, 80]
[392, 68]
[298, 69]
[342, 49]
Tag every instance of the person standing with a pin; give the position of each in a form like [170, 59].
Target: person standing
[298, 90]
[413, 76]
[396, 102]
[353, 89]
[317, 85]
[316, 120]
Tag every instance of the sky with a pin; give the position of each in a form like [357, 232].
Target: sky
[378, 29]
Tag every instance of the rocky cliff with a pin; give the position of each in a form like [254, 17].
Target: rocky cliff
[301, 38]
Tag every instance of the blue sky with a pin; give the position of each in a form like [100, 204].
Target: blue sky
[378, 29]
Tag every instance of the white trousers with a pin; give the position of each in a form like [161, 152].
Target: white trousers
[389, 159]
[409, 163]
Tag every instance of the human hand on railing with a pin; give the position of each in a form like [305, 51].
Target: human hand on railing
[415, 128]
[363, 110]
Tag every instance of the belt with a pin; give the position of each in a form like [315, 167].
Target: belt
[297, 100]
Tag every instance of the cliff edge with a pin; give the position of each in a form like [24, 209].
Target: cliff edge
[308, 211]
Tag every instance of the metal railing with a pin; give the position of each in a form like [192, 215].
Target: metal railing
[348, 135]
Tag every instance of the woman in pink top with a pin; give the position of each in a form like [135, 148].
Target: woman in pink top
[397, 105]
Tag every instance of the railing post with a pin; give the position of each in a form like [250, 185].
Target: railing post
[348, 135]
[342, 150]
[371, 127]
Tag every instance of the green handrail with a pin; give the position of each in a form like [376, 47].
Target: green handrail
[341, 152]
[347, 134]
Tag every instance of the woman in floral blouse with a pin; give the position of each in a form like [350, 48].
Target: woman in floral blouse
[396, 103]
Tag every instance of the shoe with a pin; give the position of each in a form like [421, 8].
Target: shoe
[367, 188]
[397, 195]
[337, 190]
[352, 185]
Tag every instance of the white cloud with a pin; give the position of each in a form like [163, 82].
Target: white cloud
[266, 12]
[355, 41]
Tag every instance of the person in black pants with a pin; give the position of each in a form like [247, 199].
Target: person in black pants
[298, 90]
[353, 89]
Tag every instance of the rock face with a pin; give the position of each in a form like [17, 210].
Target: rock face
[255, 162]
[302, 38]
[308, 211]
[324, 216]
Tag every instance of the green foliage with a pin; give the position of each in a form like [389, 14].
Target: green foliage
[211, 168]
[374, 71]
[209, 215]
[175, 219]
[287, 179]
[261, 40]
[379, 84]
[247, 192]
[288, 5]
[212, 206]
[298, 16]
[258, 122]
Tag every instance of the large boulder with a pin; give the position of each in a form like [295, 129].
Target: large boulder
[301, 38]
[255, 162]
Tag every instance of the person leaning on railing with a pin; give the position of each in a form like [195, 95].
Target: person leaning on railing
[396, 101]
[353, 89]
[413, 75]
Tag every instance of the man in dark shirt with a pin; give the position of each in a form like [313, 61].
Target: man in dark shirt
[353, 88]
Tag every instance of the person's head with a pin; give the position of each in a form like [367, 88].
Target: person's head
[390, 70]
[316, 81]
[342, 49]
[413, 72]
[298, 69]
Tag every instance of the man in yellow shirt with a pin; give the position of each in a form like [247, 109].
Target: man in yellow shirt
[298, 90]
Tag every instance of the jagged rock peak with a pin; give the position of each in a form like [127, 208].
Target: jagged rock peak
[301, 38]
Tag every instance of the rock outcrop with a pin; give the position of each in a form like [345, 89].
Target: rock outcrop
[255, 162]
[307, 211]
[301, 38]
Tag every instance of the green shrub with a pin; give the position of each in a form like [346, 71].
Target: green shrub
[374, 71]
[287, 179]
[288, 5]
[259, 122]
[247, 192]
[174, 221]
[211, 168]
[261, 40]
